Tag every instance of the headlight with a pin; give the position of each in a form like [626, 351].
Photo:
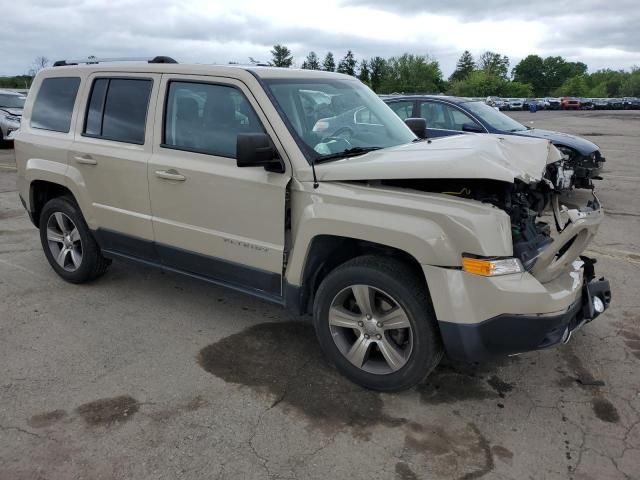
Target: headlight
[12, 118]
[487, 267]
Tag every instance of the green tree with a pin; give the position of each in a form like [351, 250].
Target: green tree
[483, 84]
[607, 82]
[365, 74]
[348, 64]
[411, 73]
[516, 89]
[281, 56]
[494, 64]
[377, 71]
[329, 63]
[464, 67]
[531, 70]
[311, 62]
[598, 91]
[631, 86]
[574, 87]
[556, 71]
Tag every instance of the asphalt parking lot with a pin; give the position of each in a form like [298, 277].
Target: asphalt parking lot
[147, 375]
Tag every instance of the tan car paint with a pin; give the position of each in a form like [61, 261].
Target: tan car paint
[433, 228]
[41, 154]
[113, 175]
[218, 210]
[220, 204]
[461, 297]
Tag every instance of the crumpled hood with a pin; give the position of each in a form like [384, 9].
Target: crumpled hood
[12, 111]
[470, 156]
[583, 146]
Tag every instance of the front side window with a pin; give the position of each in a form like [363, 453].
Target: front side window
[495, 118]
[207, 118]
[117, 109]
[53, 107]
[329, 117]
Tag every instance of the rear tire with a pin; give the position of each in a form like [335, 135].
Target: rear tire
[68, 243]
[356, 311]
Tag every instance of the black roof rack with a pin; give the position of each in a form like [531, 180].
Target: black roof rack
[93, 60]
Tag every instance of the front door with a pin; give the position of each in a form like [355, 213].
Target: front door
[210, 217]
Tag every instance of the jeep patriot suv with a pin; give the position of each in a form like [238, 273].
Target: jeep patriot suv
[304, 189]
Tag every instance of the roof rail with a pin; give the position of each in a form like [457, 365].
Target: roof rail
[94, 60]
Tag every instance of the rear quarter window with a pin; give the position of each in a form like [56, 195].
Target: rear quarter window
[53, 107]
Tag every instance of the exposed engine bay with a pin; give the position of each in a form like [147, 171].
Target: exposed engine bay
[526, 205]
[578, 171]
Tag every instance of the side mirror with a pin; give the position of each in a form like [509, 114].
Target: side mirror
[255, 150]
[417, 126]
[472, 127]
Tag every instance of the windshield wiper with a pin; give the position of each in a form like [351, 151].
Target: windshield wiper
[349, 152]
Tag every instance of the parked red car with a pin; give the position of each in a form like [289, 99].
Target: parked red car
[570, 103]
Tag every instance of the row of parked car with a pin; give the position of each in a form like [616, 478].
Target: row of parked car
[565, 103]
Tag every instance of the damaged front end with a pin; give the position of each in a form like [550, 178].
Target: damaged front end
[548, 238]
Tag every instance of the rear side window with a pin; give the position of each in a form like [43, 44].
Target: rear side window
[117, 109]
[207, 118]
[53, 107]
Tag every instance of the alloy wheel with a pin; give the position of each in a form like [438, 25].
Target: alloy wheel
[64, 241]
[371, 329]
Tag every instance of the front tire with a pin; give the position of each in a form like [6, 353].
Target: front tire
[68, 243]
[374, 320]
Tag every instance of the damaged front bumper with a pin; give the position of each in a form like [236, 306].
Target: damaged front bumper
[481, 317]
[510, 334]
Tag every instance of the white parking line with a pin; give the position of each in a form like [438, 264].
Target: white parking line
[19, 267]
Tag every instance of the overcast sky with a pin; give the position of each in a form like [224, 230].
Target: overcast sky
[599, 33]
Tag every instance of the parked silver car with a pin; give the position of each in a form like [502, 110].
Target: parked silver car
[11, 105]
[515, 103]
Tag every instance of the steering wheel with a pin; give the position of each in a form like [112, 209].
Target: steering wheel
[339, 136]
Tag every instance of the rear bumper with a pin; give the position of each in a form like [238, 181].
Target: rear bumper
[510, 334]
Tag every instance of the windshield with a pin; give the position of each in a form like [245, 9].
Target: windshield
[494, 118]
[12, 101]
[332, 116]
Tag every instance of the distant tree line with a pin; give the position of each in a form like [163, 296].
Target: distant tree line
[483, 76]
[489, 74]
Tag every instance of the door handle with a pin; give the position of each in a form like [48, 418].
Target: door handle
[85, 160]
[171, 174]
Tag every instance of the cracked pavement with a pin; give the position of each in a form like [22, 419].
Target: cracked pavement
[148, 375]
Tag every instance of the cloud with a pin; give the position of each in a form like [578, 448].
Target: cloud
[586, 23]
[202, 31]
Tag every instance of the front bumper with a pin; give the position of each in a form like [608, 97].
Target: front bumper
[509, 334]
[11, 133]
[8, 128]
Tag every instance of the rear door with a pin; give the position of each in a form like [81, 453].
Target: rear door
[109, 158]
[210, 217]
